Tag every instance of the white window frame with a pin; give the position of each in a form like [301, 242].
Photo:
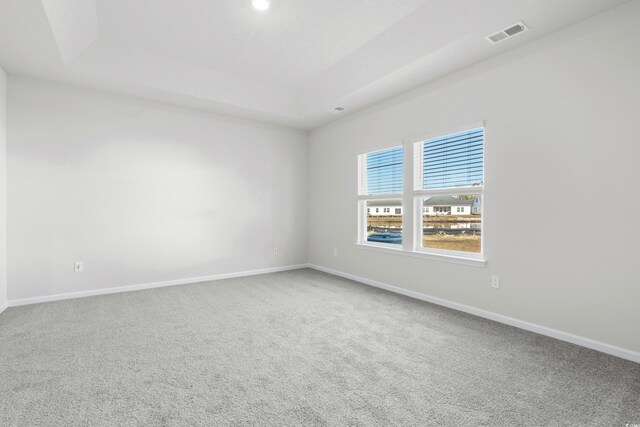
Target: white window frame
[419, 196]
[412, 203]
[363, 198]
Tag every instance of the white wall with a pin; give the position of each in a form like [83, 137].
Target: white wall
[3, 189]
[143, 192]
[562, 128]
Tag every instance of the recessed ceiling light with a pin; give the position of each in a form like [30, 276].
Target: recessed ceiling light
[261, 5]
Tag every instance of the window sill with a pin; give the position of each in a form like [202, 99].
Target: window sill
[455, 259]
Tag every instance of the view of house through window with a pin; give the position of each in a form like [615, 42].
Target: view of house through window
[381, 181]
[448, 189]
[452, 222]
[384, 221]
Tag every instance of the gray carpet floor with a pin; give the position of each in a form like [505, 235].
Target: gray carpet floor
[294, 348]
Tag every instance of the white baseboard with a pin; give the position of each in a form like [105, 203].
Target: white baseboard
[129, 288]
[623, 353]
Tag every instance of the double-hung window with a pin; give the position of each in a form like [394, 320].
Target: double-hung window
[380, 190]
[448, 187]
[444, 196]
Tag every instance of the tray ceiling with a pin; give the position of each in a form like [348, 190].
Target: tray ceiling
[289, 66]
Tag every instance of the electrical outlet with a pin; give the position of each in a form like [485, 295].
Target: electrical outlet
[335, 251]
[495, 281]
[77, 266]
[275, 250]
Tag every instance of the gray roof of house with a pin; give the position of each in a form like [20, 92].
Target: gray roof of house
[385, 203]
[447, 201]
[431, 201]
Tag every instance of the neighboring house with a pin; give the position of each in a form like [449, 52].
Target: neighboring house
[384, 208]
[436, 205]
[447, 205]
[476, 207]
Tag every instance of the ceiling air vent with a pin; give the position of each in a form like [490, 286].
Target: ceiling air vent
[517, 28]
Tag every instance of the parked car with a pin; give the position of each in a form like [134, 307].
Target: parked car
[385, 238]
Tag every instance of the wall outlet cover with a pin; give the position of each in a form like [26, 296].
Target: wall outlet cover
[495, 281]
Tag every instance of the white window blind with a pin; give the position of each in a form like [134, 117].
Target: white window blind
[384, 171]
[455, 160]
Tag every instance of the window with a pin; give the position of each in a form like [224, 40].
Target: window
[444, 231]
[446, 197]
[380, 187]
[449, 185]
[453, 161]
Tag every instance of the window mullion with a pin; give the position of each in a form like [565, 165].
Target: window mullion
[407, 198]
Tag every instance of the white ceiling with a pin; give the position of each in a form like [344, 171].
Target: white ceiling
[290, 66]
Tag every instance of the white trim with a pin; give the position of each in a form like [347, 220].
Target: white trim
[129, 288]
[361, 235]
[623, 353]
[454, 257]
[407, 213]
[392, 248]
